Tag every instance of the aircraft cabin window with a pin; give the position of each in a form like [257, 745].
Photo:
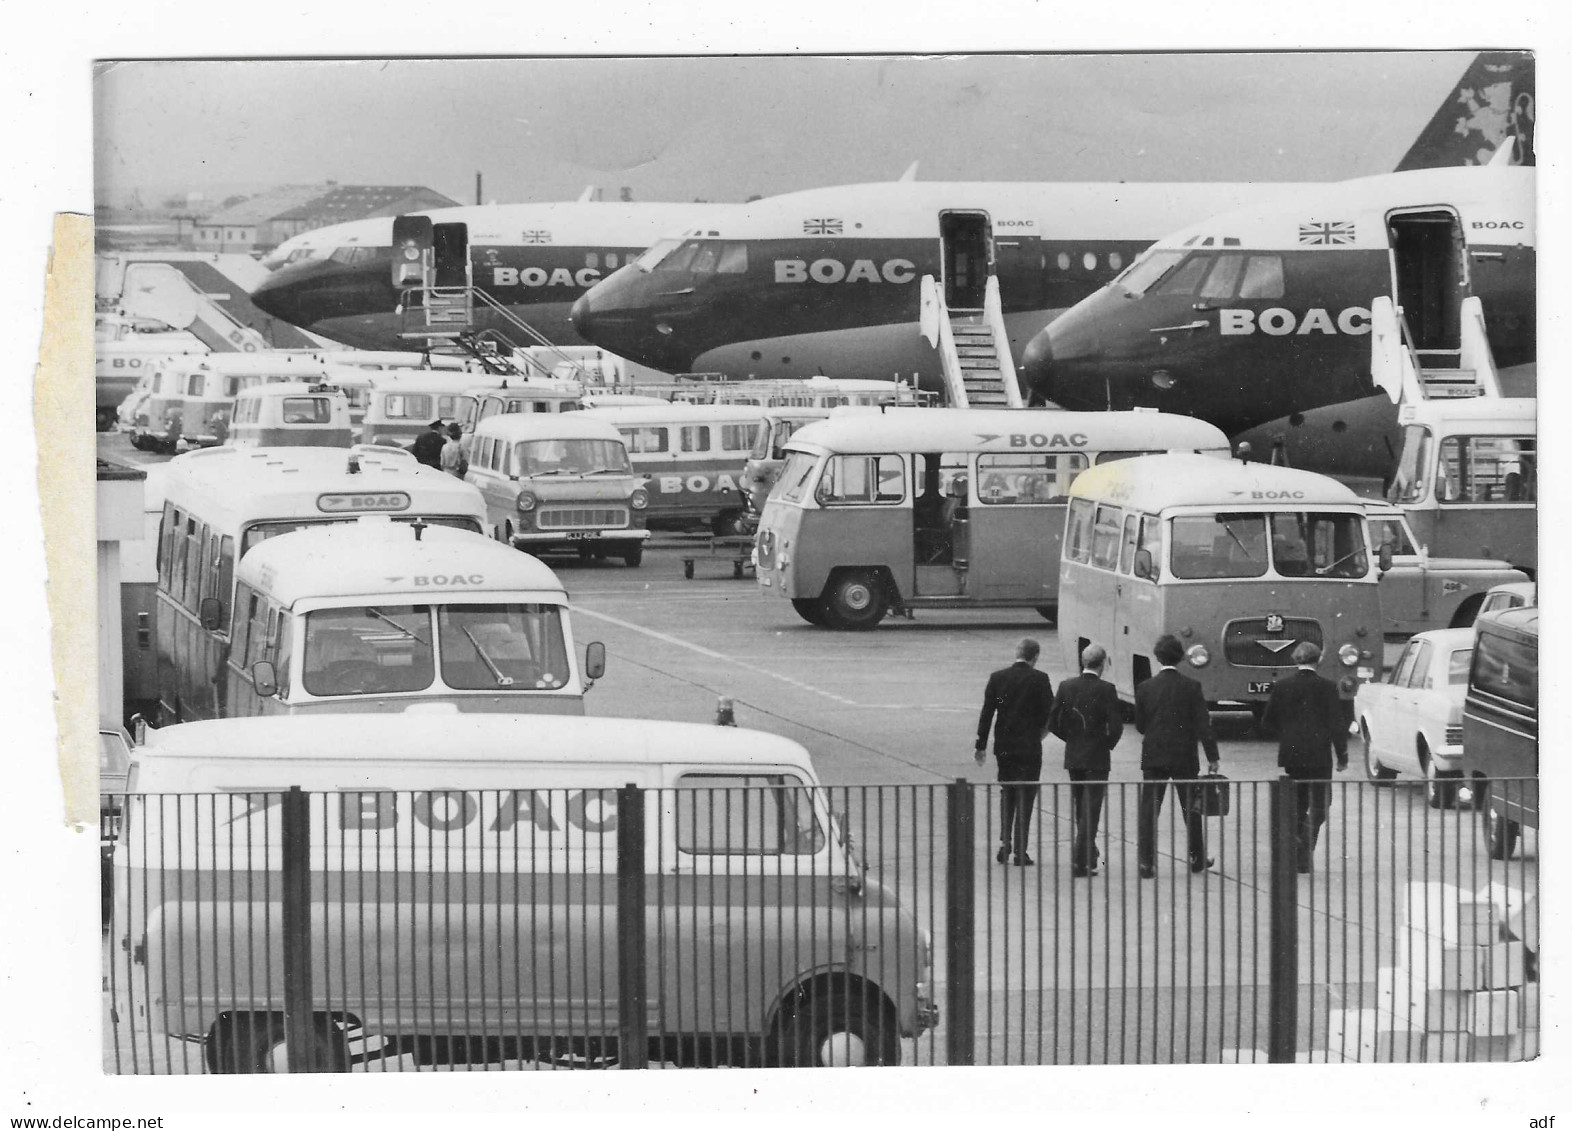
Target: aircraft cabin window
[1064, 261]
[1115, 260]
[1184, 280]
[1089, 261]
[611, 261]
[1220, 283]
[591, 259]
[1263, 278]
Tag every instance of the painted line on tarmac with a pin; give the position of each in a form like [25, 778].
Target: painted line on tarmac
[679, 642]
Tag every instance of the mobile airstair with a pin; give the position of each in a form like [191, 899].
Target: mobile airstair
[974, 349]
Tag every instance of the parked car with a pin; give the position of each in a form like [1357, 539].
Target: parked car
[1501, 725]
[1413, 722]
[1512, 595]
[1421, 592]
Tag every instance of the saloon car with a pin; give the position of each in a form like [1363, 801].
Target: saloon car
[1412, 723]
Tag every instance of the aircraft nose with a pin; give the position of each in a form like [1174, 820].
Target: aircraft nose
[1037, 366]
[582, 315]
[281, 295]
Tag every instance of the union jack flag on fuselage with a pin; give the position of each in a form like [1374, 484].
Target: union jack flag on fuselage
[1327, 232]
[822, 227]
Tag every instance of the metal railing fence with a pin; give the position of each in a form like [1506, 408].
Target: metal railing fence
[752, 924]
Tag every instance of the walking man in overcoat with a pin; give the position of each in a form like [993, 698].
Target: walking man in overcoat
[1087, 716]
[1171, 714]
[1015, 706]
[1307, 714]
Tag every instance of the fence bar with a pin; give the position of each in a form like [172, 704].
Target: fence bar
[632, 1011]
[299, 1029]
[1283, 988]
[961, 922]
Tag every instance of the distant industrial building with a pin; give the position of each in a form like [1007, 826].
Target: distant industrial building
[264, 221]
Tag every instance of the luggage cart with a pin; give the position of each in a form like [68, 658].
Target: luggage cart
[736, 548]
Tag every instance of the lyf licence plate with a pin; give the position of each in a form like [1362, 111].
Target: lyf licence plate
[581, 535]
[1261, 686]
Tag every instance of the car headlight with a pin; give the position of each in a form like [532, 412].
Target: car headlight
[526, 502]
[639, 499]
[1198, 655]
[1349, 655]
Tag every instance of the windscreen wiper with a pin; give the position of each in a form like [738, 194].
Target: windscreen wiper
[485, 658]
[380, 615]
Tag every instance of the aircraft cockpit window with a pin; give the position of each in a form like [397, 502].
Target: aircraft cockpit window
[657, 252]
[1263, 277]
[1224, 277]
[353, 255]
[733, 260]
[703, 261]
[1148, 270]
[1184, 280]
[679, 258]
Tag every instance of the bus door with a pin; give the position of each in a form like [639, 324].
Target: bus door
[1430, 280]
[1137, 612]
[966, 258]
[940, 542]
[1017, 524]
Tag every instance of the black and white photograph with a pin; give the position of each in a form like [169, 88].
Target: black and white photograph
[669, 560]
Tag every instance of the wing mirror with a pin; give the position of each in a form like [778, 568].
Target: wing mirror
[211, 613]
[594, 662]
[1384, 556]
[1143, 565]
[264, 678]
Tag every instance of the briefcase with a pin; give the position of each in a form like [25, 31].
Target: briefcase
[1209, 796]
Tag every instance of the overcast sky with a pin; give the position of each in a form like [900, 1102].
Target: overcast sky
[728, 128]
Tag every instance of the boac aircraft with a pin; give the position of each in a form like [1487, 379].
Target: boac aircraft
[1259, 320]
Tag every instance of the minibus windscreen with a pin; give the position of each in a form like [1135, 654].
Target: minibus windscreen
[1319, 544]
[368, 650]
[1219, 545]
[260, 532]
[794, 479]
[488, 646]
[570, 457]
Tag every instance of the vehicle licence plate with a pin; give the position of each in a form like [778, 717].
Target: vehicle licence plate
[580, 535]
[1261, 687]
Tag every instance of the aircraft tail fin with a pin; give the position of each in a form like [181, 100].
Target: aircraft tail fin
[1491, 107]
[910, 174]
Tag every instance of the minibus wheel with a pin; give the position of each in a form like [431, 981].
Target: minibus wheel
[854, 601]
[255, 1043]
[809, 609]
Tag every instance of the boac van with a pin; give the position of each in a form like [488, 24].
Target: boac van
[464, 896]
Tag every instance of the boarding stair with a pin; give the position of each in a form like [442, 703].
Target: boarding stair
[974, 349]
[448, 320]
[1408, 375]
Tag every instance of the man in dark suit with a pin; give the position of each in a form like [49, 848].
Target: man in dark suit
[1087, 715]
[1021, 697]
[429, 444]
[1171, 714]
[1307, 714]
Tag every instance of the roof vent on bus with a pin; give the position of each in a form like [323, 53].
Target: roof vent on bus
[354, 465]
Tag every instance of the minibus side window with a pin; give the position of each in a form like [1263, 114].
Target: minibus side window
[745, 814]
[283, 647]
[1488, 469]
[177, 553]
[192, 575]
[226, 574]
[1026, 477]
[695, 438]
[256, 634]
[761, 440]
[738, 437]
[1506, 668]
[166, 537]
[241, 621]
[1105, 536]
[1132, 523]
[1078, 531]
[1152, 542]
[1219, 545]
[863, 479]
[642, 440]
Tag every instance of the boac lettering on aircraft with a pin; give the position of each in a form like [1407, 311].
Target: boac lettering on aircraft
[834, 271]
[540, 277]
[697, 484]
[1278, 322]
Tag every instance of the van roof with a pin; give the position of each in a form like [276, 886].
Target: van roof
[443, 382]
[516, 426]
[290, 389]
[1461, 413]
[1152, 483]
[677, 412]
[867, 429]
[437, 737]
[232, 485]
[376, 555]
[1521, 621]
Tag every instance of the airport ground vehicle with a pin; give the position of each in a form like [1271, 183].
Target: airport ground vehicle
[1501, 725]
[403, 403]
[752, 887]
[693, 454]
[554, 481]
[946, 508]
[377, 616]
[1412, 722]
[1241, 561]
[1468, 477]
[506, 395]
[139, 602]
[1511, 595]
[221, 502]
[189, 399]
[768, 456]
[1420, 591]
[290, 415]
